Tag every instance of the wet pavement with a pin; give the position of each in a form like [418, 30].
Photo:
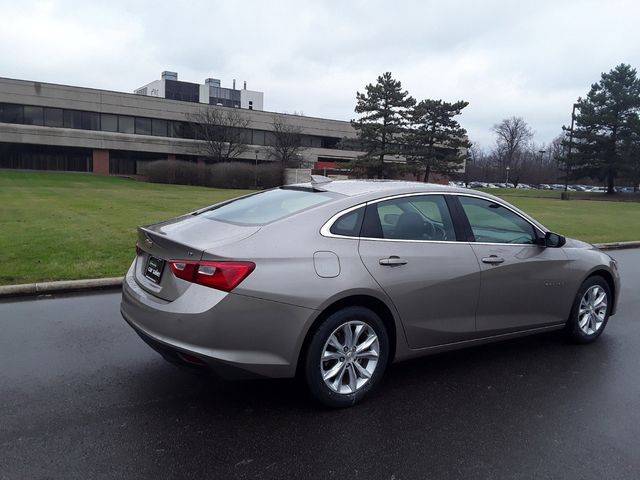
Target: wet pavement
[81, 396]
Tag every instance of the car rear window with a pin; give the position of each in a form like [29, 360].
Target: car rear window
[269, 206]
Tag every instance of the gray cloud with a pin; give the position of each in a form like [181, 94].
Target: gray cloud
[506, 58]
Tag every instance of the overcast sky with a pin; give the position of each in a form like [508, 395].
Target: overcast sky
[530, 59]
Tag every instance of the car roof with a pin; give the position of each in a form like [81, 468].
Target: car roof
[354, 188]
[366, 190]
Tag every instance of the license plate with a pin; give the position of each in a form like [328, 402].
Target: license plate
[154, 268]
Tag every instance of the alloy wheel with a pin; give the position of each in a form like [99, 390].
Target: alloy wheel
[593, 309]
[349, 357]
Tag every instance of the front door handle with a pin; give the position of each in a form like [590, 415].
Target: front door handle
[393, 261]
[493, 259]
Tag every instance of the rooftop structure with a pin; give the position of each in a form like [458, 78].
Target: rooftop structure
[210, 92]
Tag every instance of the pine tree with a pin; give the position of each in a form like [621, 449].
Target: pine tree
[436, 142]
[605, 122]
[384, 108]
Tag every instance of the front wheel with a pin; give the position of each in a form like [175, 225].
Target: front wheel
[347, 356]
[590, 312]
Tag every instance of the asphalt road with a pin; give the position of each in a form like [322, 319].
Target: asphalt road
[81, 396]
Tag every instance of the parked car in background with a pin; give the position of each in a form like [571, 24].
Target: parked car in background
[333, 281]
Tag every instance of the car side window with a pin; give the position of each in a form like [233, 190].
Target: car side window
[348, 224]
[492, 223]
[424, 217]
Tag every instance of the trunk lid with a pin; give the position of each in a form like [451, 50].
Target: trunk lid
[182, 238]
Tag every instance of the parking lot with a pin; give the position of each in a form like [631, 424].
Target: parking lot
[82, 397]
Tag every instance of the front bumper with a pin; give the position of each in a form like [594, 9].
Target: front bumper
[234, 335]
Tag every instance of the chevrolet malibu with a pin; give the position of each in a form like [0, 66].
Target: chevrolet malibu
[333, 281]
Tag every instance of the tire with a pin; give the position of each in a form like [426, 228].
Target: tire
[587, 326]
[345, 370]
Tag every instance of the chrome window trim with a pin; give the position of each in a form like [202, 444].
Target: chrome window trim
[325, 229]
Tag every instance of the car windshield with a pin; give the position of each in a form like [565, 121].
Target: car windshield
[269, 206]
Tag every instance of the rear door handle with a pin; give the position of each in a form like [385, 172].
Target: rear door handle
[493, 259]
[393, 261]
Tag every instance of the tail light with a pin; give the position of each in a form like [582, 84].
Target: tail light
[223, 276]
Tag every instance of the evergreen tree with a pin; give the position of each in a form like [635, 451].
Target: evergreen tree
[384, 108]
[436, 142]
[604, 126]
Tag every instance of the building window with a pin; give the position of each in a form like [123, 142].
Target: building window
[258, 137]
[329, 142]
[108, 122]
[183, 91]
[181, 129]
[143, 126]
[270, 139]
[126, 124]
[175, 129]
[159, 127]
[53, 117]
[189, 130]
[250, 104]
[11, 113]
[245, 136]
[33, 115]
[90, 121]
[72, 119]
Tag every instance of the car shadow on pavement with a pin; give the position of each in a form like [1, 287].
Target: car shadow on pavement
[511, 365]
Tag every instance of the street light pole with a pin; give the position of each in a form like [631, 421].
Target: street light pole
[567, 164]
[541, 152]
[255, 174]
[508, 168]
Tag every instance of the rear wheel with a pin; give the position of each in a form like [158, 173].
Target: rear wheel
[590, 312]
[347, 356]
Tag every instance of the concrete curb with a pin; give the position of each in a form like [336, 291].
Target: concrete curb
[66, 286]
[617, 245]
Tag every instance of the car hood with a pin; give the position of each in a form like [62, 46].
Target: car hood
[573, 243]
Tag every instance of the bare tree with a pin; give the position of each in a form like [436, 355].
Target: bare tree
[479, 166]
[287, 144]
[223, 131]
[513, 136]
[551, 169]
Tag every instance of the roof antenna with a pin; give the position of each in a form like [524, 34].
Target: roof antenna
[320, 179]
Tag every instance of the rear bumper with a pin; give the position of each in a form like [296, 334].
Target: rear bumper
[233, 335]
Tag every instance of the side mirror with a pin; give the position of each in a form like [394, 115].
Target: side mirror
[554, 240]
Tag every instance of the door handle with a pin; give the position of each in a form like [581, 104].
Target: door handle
[393, 261]
[493, 259]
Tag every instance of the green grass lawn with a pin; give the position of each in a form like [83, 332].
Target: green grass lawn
[58, 226]
[589, 220]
